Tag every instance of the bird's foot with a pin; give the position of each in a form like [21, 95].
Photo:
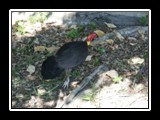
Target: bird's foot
[66, 83]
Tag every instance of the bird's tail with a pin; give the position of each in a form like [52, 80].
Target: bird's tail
[50, 68]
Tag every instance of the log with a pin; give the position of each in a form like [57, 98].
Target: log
[84, 83]
[129, 31]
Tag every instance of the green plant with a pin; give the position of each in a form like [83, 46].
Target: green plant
[38, 17]
[96, 61]
[20, 28]
[117, 79]
[90, 96]
[146, 55]
[17, 81]
[26, 49]
[75, 74]
[93, 25]
[81, 28]
[73, 34]
[100, 50]
[144, 20]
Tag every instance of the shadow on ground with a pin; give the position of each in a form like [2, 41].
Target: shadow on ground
[31, 91]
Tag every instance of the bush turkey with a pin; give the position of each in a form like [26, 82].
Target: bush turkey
[68, 56]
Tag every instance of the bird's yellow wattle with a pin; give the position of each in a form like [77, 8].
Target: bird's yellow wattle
[88, 43]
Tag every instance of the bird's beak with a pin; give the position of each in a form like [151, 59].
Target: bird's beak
[88, 43]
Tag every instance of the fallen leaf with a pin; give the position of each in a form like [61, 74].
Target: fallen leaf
[74, 26]
[114, 47]
[132, 44]
[52, 49]
[30, 77]
[31, 69]
[84, 39]
[36, 41]
[139, 87]
[67, 40]
[74, 84]
[132, 41]
[89, 57]
[110, 41]
[119, 36]
[39, 48]
[132, 38]
[110, 25]
[100, 33]
[41, 91]
[19, 95]
[61, 94]
[135, 60]
[141, 32]
[50, 103]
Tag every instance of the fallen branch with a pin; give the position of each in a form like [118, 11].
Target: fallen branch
[85, 82]
[123, 32]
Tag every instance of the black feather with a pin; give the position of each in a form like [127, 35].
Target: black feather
[50, 68]
[68, 56]
[72, 54]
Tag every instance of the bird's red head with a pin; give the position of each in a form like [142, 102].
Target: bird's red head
[91, 37]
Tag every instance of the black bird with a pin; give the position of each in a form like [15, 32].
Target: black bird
[68, 56]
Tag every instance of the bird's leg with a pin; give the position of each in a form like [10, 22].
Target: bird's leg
[66, 83]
